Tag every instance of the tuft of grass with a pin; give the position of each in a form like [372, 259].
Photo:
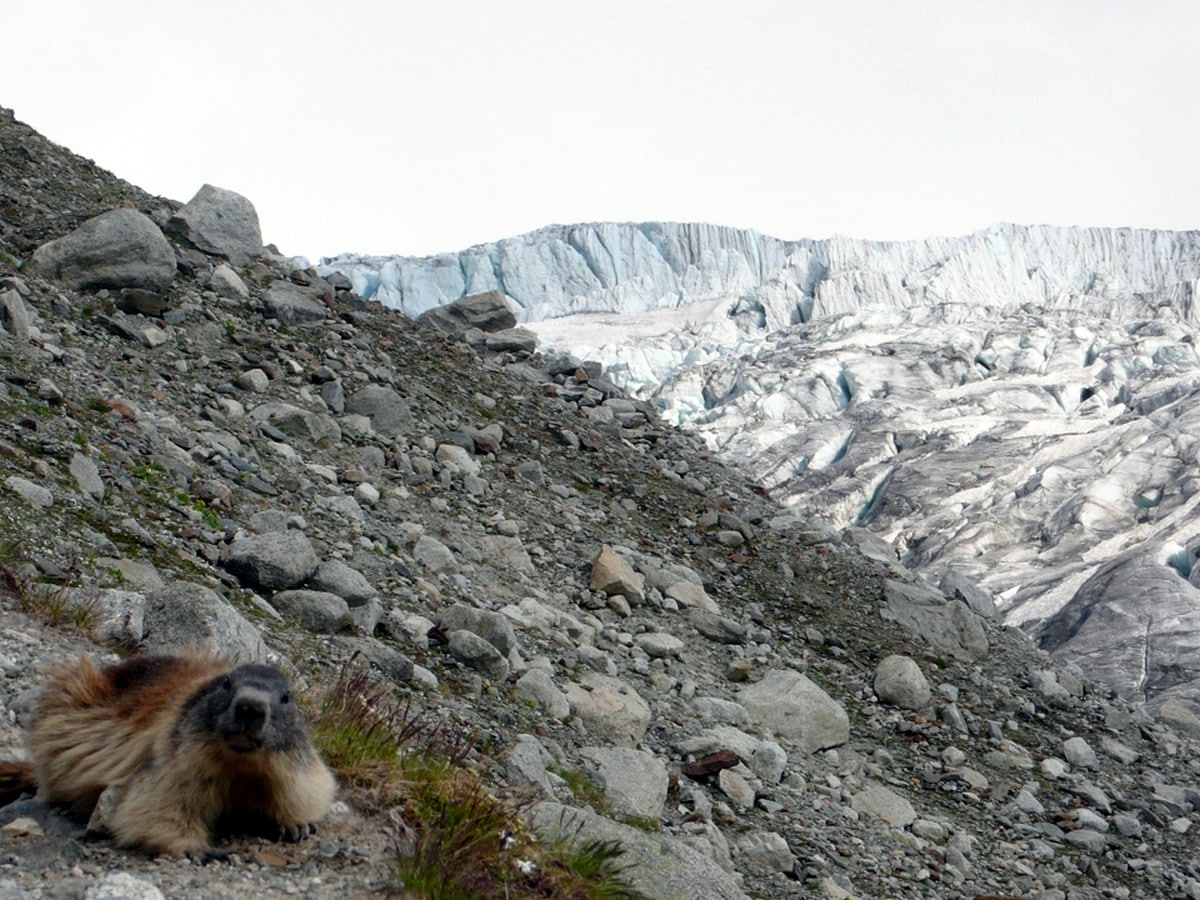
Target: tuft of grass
[582, 787]
[453, 838]
[50, 603]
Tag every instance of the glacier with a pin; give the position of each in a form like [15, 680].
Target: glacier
[1020, 405]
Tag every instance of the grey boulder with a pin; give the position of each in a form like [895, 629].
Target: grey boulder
[273, 561]
[489, 312]
[220, 222]
[181, 615]
[387, 410]
[117, 249]
[293, 305]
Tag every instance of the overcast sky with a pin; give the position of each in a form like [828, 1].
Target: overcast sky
[418, 127]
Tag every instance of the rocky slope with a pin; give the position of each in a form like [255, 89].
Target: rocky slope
[1014, 404]
[763, 704]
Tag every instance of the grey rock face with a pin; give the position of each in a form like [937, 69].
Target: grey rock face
[317, 611]
[491, 626]
[635, 782]
[293, 305]
[388, 411]
[181, 615]
[946, 625]
[885, 804]
[297, 422]
[117, 249]
[1079, 753]
[536, 686]
[609, 708]
[14, 316]
[392, 663]
[613, 575]
[790, 706]
[659, 866]
[220, 222]
[228, 283]
[527, 762]
[120, 614]
[87, 476]
[900, 682]
[274, 561]
[477, 653]
[512, 340]
[33, 494]
[488, 312]
[336, 577]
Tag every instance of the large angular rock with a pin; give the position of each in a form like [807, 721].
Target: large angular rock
[491, 626]
[613, 575]
[609, 708]
[476, 653]
[298, 423]
[117, 249]
[15, 319]
[790, 706]
[884, 803]
[180, 615]
[274, 561]
[348, 583]
[657, 865]
[220, 222]
[387, 410]
[949, 626]
[488, 312]
[293, 305]
[537, 686]
[635, 782]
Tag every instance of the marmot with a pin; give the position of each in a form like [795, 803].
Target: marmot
[174, 743]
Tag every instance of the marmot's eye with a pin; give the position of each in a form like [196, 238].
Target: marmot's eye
[227, 684]
[286, 698]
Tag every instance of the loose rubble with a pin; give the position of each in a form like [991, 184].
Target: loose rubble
[637, 638]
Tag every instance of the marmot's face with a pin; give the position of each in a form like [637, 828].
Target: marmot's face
[250, 708]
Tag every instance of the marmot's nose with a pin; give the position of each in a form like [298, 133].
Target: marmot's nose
[249, 713]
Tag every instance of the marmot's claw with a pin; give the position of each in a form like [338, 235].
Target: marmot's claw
[295, 833]
[204, 857]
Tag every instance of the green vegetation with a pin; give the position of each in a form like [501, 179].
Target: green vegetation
[52, 604]
[454, 839]
[582, 787]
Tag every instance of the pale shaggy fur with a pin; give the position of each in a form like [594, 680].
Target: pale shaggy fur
[155, 734]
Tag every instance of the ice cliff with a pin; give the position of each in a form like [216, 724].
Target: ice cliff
[1018, 404]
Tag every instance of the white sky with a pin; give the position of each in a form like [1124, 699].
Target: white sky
[418, 127]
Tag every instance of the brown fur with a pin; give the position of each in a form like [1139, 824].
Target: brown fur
[144, 731]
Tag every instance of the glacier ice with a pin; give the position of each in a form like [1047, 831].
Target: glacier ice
[1020, 405]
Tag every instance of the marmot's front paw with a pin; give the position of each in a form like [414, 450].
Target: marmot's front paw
[293, 833]
[204, 857]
